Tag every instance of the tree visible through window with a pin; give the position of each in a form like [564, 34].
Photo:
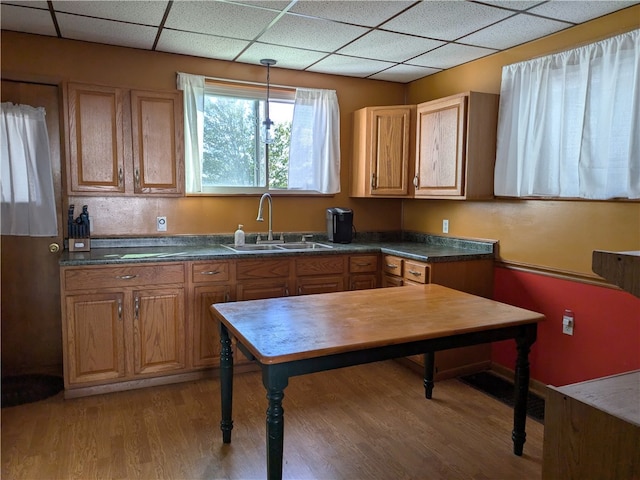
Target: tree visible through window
[233, 152]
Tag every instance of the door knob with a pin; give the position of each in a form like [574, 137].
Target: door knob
[54, 247]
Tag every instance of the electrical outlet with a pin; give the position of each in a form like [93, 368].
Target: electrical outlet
[568, 322]
[445, 226]
[161, 224]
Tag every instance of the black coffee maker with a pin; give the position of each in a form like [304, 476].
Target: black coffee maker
[339, 225]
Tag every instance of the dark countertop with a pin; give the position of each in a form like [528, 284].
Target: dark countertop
[420, 247]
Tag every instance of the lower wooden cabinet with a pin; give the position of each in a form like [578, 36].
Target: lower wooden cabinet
[363, 272]
[119, 327]
[320, 274]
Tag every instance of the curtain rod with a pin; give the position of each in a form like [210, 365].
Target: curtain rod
[244, 82]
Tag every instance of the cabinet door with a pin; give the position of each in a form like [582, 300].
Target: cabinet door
[158, 330]
[206, 334]
[440, 147]
[158, 142]
[95, 126]
[382, 149]
[320, 284]
[94, 349]
[363, 281]
[259, 289]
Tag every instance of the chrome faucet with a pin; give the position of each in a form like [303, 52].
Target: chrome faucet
[260, 219]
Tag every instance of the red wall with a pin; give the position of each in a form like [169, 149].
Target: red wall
[606, 336]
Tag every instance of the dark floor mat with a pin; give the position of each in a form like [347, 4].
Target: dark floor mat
[29, 388]
[501, 389]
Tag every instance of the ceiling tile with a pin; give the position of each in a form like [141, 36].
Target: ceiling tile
[394, 47]
[450, 55]
[29, 20]
[42, 4]
[445, 20]
[294, 58]
[513, 4]
[106, 31]
[514, 31]
[577, 12]
[200, 45]
[143, 12]
[404, 73]
[313, 34]
[349, 66]
[366, 13]
[217, 18]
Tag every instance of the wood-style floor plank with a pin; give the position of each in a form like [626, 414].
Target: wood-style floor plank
[365, 422]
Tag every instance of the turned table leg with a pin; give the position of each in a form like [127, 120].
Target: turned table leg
[521, 387]
[275, 385]
[429, 365]
[226, 384]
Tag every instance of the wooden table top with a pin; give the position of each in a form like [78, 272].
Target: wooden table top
[279, 330]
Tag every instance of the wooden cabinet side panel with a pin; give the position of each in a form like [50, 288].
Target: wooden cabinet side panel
[482, 132]
[95, 129]
[159, 334]
[360, 165]
[440, 159]
[158, 142]
[94, 349]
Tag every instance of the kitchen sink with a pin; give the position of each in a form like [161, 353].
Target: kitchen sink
[278, 247]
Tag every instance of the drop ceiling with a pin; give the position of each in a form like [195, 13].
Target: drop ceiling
[398, 41]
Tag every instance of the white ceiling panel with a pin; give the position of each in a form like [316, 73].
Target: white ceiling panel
[311, 33]
[349, 66]
[445, 20]
[104, 31]
[287, 57]
[144, 12]
[394, 47]
[392, 40]
[404, 73]
[200, 45]
[365, 13]
[29, 20]
[514, 31]
[578, 12]
[449, 55]
[217, 18]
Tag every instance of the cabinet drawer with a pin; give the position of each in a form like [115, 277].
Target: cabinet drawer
[262, 269]
[392, 265]
[210, 272]
[90, 278]
[416, 272]
[333, 264]
[363, 263]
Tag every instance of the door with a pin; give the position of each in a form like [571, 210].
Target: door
[31, 314]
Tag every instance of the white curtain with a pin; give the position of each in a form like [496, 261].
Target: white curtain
[314, 153]
[193, 96]
[569, 123]
[28, 202]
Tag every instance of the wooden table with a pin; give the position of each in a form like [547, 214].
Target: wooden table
[305, 334]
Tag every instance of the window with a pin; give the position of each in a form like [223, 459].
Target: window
[568, 123]
[234, 154]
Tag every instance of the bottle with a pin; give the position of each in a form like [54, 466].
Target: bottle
[238, 237]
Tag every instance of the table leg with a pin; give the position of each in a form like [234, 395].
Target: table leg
[521, 387]
[275, 386]
[429, 364]
[226, 384]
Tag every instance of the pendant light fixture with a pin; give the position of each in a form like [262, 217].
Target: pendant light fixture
[267, 134]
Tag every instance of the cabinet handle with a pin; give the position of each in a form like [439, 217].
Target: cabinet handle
[137, 175]
[413, 272]
[415, 181]
[227, 297]
[391, 266]
[363, 264]
[120, 176]
[137, 307]
[373, 181]
[299, 290]
[126, 277]
[286, 291]
[210, 272]
[119, 309]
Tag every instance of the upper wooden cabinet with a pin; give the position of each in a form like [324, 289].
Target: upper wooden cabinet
[383, 141]
[456, 147]
[124, 141]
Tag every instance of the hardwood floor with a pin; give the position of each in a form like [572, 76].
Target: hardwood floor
[365, 422]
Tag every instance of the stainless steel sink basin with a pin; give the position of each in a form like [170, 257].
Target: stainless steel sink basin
[278, 247]
[304, 246]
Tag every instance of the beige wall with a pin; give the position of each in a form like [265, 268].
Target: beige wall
[33, 57]
[559, 235]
